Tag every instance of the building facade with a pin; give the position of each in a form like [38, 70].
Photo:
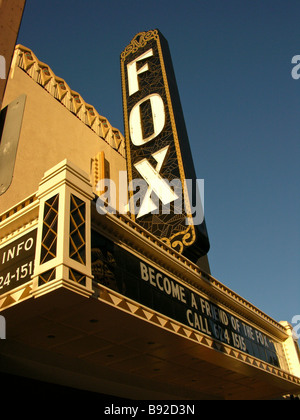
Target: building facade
[92, 299]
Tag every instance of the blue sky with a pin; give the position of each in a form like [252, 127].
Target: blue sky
[232, 61]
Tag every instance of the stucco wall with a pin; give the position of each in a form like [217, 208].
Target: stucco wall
[49, 134]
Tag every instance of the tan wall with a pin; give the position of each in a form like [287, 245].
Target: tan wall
[49, 134]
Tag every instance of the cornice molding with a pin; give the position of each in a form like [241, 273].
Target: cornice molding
[42, 74]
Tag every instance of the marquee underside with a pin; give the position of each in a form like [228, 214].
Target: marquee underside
[66, 339]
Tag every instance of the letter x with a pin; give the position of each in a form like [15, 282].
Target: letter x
[156, 183]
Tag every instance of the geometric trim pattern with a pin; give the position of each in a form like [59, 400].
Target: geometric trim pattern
[47, 276]
[121, 302]
[42, 74]
[49, 236]
[16, 296]
[77, 230]
[76, 276]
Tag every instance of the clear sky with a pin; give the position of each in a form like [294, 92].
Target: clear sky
[232, 61]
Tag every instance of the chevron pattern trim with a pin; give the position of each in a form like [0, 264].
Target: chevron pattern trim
[42, 74]
[121, 302]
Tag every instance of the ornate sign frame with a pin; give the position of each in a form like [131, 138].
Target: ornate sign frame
[157, 146]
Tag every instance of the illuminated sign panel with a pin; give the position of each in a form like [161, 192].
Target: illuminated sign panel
[167, 201]
[128, 275]
[17, 262]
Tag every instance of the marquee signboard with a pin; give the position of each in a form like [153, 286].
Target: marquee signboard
[127, 274]
[159, 161]
[17, 262]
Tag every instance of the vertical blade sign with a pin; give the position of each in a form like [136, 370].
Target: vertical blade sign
[163, 190]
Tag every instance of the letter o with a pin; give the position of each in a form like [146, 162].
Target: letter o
[158, 115]
[28, 244]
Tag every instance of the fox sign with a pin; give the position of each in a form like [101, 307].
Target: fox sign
[157, 148]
